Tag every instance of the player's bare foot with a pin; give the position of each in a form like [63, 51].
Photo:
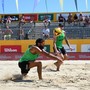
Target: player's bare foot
[58, 64]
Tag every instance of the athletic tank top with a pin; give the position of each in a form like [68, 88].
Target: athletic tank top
[28, 56]
[59, 39]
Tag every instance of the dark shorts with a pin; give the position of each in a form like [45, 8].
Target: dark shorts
[24, 66]
[62, 50]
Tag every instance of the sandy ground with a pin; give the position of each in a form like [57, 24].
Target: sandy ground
[73, 75]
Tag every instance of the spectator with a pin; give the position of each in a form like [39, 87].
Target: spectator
[9, 19]
[26, 36]
[1, 34]
[21, 21]
[4, 20]
[89, 20]
[46, 32]
[86, 20]
[69, 20]
[21, 33]
[0, 20]
[46, 21]
[7, 34]
[32, 21]
[80, 19]
[61, 19]
[49, 21]
[75, 19]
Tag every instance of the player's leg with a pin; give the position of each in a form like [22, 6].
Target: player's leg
[59, 54]
[58, 63]
[65, 56]
[39, 68]
[64, 53]
[24, 66]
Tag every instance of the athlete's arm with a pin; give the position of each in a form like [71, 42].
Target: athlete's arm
[67, 42]
[54, 44]
[35, 50]
[51, 55]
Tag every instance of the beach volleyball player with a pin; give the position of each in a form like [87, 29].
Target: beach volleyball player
[59, 36]
[28, 60]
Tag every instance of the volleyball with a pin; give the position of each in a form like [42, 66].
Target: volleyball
[57, 31]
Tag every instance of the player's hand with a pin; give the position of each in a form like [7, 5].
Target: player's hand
[60, 59]
[57, 53]
[71, 48]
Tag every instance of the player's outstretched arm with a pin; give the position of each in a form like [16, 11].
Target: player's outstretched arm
[51, 55]
[43, 52]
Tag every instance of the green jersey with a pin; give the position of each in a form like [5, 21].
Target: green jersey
[59, 40]
[28, 56]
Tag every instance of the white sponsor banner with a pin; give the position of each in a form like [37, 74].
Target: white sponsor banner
[85, 48]
[74, 48]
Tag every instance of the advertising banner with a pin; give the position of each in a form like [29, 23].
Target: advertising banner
[10, 48]
[29, 17]
[85, 48]
[79, 56]
[74, 48]
[41, 17]
[13, 17]
[72, 56]
[10, 56]
[47, 48]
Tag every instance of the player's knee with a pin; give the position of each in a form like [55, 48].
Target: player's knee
[66, 58]
[40, 64]
[62, 57]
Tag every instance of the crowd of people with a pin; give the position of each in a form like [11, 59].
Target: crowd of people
[75, 19]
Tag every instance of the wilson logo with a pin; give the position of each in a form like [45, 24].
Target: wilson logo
[10, 48]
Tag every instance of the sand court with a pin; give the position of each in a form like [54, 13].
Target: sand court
[73, 75]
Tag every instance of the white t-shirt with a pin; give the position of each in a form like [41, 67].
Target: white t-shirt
[46, 31]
